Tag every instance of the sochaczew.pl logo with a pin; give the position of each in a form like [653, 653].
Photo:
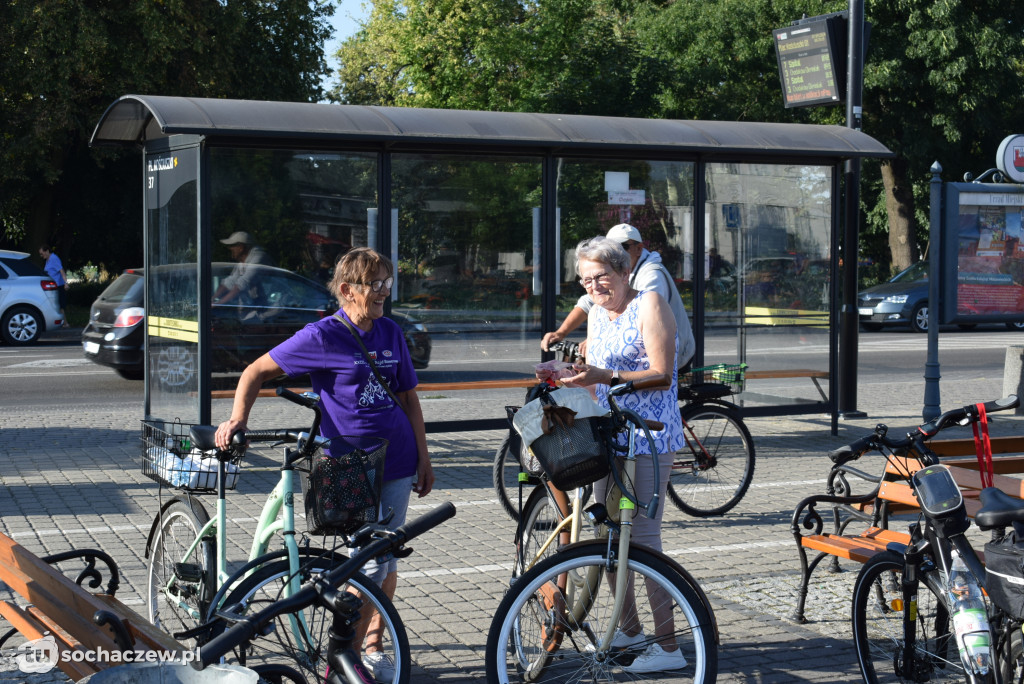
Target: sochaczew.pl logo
[42, 655]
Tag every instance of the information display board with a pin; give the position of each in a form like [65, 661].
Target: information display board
[983, 253]
[811, 62]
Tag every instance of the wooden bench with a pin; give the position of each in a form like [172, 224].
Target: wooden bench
[814, 375]
[884, 495]
[78, 620]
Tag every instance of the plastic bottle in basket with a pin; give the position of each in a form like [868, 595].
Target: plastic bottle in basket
[969, 617]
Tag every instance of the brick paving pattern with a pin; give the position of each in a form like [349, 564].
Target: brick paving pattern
[74, 481]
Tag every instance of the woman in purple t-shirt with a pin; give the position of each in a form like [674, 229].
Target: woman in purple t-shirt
[354, 402]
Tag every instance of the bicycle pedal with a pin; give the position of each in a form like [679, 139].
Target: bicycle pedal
[188, 572]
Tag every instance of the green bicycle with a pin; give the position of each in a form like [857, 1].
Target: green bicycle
[188, 580]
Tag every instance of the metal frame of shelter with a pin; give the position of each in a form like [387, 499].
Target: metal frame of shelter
[192, 126]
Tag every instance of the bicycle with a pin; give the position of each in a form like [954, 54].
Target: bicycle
[323, 590]
[187, 575]
[902, 613]
[710, 475]
[556, 624]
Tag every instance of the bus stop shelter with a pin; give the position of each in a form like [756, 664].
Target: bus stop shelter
[480, 212]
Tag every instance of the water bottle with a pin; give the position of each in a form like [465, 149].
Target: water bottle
[969, 616]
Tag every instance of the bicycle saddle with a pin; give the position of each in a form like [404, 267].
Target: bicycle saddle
[998, 509]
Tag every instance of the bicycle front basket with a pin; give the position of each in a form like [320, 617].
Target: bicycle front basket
[342, 491]
[718, 374]
[169, 458]
[576, 455]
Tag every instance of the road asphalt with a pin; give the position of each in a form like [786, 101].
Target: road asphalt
[74, 481]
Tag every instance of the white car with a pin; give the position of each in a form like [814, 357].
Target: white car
[28, 300]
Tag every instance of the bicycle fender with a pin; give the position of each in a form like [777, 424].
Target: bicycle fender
[160, 516]
[602, 543]
[897, 547]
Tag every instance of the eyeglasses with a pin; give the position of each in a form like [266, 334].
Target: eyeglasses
[629, 244]
[599, 279]
[376, 285]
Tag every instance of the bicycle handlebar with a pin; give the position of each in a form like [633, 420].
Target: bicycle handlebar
[319, 587]
[570, 350]
[914, 441]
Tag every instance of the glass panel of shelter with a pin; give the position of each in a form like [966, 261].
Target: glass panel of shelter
[172, 275]
[467, 229]
[767, 256]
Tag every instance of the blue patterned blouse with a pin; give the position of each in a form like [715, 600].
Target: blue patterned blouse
[617, 345]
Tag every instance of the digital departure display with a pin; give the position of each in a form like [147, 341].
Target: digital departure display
[809, 63]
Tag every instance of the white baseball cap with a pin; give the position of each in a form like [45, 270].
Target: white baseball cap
[624, 232]
[239, 237]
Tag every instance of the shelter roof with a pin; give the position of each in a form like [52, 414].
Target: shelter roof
[136, 119]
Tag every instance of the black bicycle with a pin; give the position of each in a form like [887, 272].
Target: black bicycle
[918, 611]
[710, 474]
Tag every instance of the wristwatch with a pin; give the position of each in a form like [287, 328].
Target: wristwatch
[615, 379]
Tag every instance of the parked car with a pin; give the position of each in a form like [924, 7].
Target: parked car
[242, 331]
[903, 301]
[28, 300]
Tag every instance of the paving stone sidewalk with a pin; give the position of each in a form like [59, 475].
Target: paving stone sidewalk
[81, 487]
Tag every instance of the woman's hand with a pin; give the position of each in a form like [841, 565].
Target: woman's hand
[587, 375]
[226, 430]
[424, 477]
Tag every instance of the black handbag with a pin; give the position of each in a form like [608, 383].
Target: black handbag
[342, 493]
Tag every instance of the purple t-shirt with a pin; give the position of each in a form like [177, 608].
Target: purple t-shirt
[352, 400]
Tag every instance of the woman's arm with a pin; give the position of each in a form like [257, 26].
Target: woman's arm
[253, 377]
[424, 470]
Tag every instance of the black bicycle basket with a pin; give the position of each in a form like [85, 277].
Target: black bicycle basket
[576, 455]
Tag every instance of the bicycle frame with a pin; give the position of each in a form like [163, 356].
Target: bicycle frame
[625, 507]
[277, 517]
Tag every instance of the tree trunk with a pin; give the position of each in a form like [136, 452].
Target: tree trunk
[899, 206]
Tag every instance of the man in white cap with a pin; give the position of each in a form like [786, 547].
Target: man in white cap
[248, 254]
[647, 273]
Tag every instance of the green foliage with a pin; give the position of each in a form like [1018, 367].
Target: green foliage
[63, 62]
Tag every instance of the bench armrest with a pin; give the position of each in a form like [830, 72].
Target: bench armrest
[90, 572]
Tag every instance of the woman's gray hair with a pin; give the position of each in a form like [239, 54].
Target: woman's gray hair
[604, 250]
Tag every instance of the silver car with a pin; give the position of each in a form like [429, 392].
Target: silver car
[28, 300]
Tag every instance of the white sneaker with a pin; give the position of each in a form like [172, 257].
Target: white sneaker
[622, 641]
[380, 665]
[656, 659]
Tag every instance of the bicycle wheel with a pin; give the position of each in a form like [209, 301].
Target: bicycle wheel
[506, 479]
[540, 519]
[282, 646]
[714, 470]
[878, 625]
[543, 633]
[184, 604]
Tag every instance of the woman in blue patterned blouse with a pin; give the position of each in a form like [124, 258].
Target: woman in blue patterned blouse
[631, 335]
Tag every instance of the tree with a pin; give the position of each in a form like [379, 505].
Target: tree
[570, 56]
[63, 62]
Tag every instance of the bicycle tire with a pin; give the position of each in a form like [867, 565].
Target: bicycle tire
[264, 586]
[540, 518]
[505, 475]
[1011, 657]
[515, 641]
[878, 625]
[701, 488]
[179, 525]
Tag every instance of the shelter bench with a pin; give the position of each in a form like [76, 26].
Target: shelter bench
[888, 494]
[526, 382]
[77, 620]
